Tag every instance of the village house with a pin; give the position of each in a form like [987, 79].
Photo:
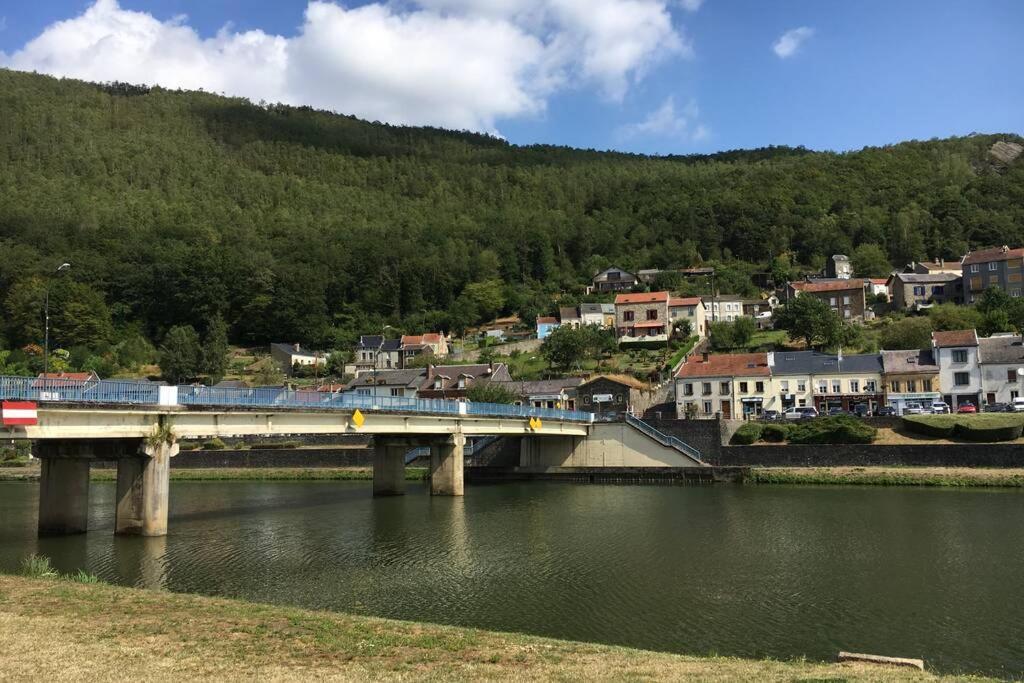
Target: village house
[725, 307]
[838, 267]
[956, 353]
[292, 356]
[375, 351]
[613, 280]
[1001, 358]
[1000, 267]
[611, 397]
[568, 316]
[388, 383]
[547, 393]
[910, 377]
[546, 324]
[935, 266]
[845, 297]
[730, 385]
[601, 315]
[833, 380]
[915, 291]
[642, 317]
[454, 381]
[692, 309]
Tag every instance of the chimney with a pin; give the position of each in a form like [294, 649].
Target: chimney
[297, 347]
[490, 367]
[430, 371]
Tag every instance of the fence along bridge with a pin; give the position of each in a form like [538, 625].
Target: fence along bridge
[138, 424]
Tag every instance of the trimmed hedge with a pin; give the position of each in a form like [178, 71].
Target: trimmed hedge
[775, 433]
[989, 433]
[927, 426]
[840, 429]
[747, 434]
[214, 444]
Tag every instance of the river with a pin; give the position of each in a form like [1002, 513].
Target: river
[769, 571]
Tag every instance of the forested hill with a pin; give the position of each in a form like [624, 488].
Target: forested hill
[293, 224]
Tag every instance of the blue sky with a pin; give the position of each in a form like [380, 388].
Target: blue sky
[654, 76]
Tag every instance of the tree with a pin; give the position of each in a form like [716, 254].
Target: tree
[810, 319]
[565, 346]
[907, 333]
[950, 316]
[215, 350]
[743, 329]
[336, 362]
[682, 328]
[490, 392]
[268, 373]
[180, 355]
[869, 260]
[488, 297]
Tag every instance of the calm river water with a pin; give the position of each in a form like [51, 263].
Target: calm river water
[747, 571]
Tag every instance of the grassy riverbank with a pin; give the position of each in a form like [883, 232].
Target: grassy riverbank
[235, 474]
[58, 629]
[891, 476]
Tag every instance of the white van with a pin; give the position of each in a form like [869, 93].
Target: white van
[1018, 404]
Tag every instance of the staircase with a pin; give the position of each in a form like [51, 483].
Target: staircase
[662, 438]
[469, 450]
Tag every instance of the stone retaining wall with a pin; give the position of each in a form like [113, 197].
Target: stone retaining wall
[275, 457]
[926, 455]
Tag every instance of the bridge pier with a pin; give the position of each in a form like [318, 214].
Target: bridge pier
[143, 491]
[447, 462]
[64, 496]
[389, 467]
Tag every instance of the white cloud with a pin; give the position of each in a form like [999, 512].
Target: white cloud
[790, 41]
[454, 63]
[669, 122]
[691, 5]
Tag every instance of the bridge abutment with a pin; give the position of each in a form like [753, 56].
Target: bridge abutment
[447, 461]
[143, 491]
[389, 467]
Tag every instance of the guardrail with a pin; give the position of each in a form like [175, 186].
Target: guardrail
[663, 438]
[118, 392]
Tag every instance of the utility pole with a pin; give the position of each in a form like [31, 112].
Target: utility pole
[46, 315]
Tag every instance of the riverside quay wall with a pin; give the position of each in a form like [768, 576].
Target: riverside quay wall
[709, 436]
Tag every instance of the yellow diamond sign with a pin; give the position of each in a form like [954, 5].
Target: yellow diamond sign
[539, 424]
[533, 423]
[357, 418]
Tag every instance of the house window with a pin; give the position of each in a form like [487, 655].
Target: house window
[784, 386]
[363, 392]
[707, 407]
[847, 313]
[919, 291]
[846, 300]
[926, 385]
[723, 388]
[974, 267]
[911, 386]
[961, 379]
[822, 386]
[854, 386]
[802, 402]
[801, 386]
[759, 386]
[869, 386]
[652, 314]
[959, 355]
[396, 392]
[832, 300]
[688, 389]
[1011, 375]
[837, 386]
[1013, 394]
[1014, 292]
[743, 388]
[437, 383]
[896, 386]
[627, 316]
[993, 266]
[938, 290]
[705, 389]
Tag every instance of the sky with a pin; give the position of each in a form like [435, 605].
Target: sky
[650, 76]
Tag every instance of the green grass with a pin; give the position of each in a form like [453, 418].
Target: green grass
[889, 476]
[977, 427]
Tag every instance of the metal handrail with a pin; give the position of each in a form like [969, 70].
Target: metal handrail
[662, 438]
[119, 392]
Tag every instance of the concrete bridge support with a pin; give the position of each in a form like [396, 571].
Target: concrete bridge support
[446, 466]
[143, 491]
[64, 496]
[389, 467]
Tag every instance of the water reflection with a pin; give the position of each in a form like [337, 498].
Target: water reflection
[769, 571]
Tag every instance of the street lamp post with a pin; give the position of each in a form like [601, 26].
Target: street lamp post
[46, 316]
[376, 355]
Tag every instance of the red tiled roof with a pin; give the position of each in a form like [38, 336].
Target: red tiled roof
[642, 298]
[546, 319]
[726, 365]
[829, 286]
[650, 323]
[684, 301]
[75, 376]
[955, 338]
[879, 280]
[993, 254]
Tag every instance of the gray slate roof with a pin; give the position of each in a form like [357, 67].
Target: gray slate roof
[817, 363]
[926, 277]
[907, 362]
[412, 378]
[1002, 349]
[593, 309]
[544, 386]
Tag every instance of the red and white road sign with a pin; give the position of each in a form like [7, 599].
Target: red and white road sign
[14, 413]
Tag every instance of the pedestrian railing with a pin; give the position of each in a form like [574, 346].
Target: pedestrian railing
[116, 392]
[663, 438]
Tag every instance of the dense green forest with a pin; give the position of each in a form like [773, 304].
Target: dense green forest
[186, 208]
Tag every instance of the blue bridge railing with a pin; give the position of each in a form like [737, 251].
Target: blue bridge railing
[118, 392]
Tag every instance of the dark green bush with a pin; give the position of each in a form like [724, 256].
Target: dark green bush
[279, 444]
[988, 433]
[775, 433]
[840, 429]
[747, 434]
[939, 427]
[214, 444]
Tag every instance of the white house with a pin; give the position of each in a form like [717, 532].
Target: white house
[1002, 367]
[956, 353]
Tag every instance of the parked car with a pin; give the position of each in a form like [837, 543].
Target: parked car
[966, 408]
[800, 413]
[998, 408]
[940, 408]
[771, 415]
[862, 410]
[1018, 404]
[913, 408]
[838, 411]
[885, 411]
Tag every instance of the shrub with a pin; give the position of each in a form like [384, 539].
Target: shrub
[840, 429]
[775, 433]
[214, 444]
[37, 567]
[939, 427]
[747, 434]
[988, 433]
[190, 446]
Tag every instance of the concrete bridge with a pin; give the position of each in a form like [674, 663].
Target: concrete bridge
[139, 425]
